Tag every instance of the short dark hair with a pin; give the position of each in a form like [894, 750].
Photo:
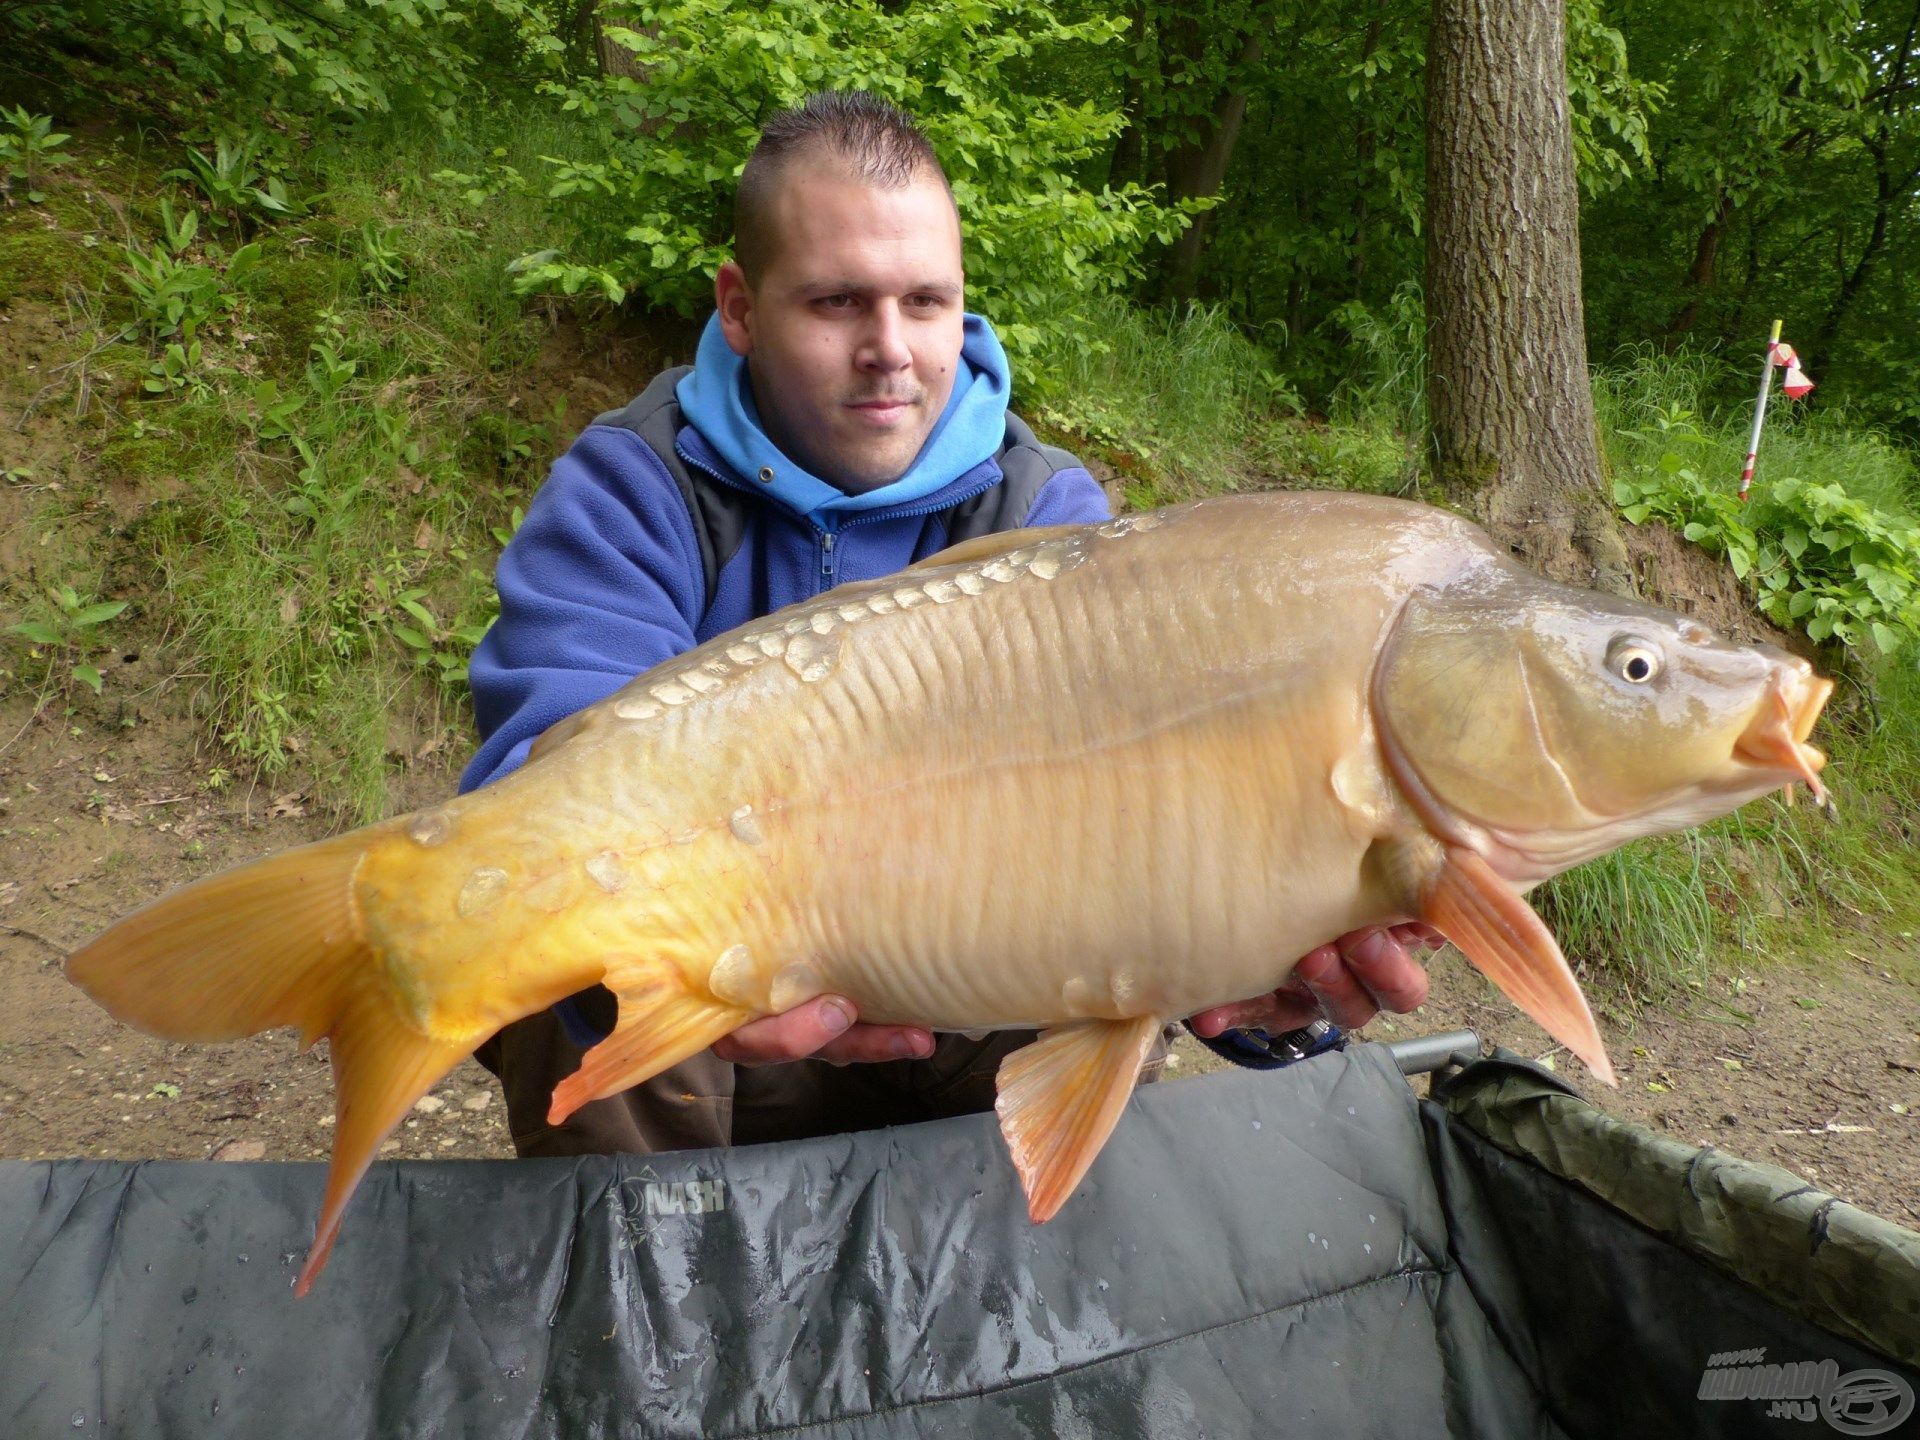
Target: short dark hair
[876, 140]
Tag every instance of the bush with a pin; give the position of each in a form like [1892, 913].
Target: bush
[648, 209]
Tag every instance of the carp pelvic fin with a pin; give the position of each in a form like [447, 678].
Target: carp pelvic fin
[279, 942]
[1059, 1099]
[662, 1021]
[1509, 944]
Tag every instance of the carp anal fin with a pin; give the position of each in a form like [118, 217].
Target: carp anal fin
[662, 1021]
[1061, 1096]
[1509, 944]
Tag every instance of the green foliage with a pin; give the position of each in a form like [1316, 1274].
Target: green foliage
[648, 201]
[66, 631]
[27, 143]
[236, 189]
[235, 61]
[381, 264]
[176, 294]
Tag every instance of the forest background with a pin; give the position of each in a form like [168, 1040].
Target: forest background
[293, 288]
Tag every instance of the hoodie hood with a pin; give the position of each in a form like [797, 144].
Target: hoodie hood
[717, 401]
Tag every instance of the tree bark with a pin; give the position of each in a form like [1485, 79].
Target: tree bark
[1508, 395]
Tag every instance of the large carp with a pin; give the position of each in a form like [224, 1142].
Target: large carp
[1084, 779]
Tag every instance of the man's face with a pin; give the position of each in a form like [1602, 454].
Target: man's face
[853, 335]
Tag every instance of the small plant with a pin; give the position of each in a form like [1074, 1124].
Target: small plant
[68, 630]
[26, 146]
[381, 265]
[273, 411]
[177, 295]
[234, 186]
[179, 367]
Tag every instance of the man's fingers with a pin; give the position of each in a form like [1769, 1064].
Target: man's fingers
[824, 1027]
[865, 1044]
[1381, 964]
[1345, 1000]
[1283, 1010]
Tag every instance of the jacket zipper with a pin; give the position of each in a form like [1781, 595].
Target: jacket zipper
[828, 560]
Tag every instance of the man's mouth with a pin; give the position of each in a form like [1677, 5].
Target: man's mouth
[883, 407]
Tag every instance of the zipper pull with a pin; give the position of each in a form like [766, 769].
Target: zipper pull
[826, 555]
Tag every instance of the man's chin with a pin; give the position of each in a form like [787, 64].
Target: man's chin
[867, 470]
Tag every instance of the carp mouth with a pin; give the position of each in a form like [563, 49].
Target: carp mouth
[1777, 737]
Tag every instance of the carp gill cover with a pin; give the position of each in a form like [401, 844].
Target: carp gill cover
[1084, 779]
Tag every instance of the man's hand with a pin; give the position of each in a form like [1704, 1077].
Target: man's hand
[1348, 982]
[825, 1028]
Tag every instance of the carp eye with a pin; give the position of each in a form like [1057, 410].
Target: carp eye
[1634, 661]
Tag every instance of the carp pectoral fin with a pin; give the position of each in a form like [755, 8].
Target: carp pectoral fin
[1509, 944]
[662, 1021]
[1061, 1096]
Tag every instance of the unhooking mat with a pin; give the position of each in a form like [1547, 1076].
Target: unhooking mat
[1305, 1252]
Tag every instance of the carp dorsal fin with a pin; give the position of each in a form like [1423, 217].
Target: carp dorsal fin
[558, 733]
[1497, 930]
[986, 547]
[1061, 1096]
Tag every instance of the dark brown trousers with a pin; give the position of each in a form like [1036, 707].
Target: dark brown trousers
[706, 1102]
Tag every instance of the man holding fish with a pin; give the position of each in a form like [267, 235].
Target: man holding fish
[845, 418]
[1079, 778]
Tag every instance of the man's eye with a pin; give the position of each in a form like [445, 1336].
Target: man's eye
[835, 302]
[924, 302]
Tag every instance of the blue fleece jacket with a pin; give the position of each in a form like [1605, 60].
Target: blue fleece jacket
[605, 580]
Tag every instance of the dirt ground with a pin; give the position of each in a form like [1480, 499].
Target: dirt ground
[101, 809]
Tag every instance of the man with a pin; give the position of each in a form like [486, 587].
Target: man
[844, 418]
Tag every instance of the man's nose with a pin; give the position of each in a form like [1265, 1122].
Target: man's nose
[884, 347]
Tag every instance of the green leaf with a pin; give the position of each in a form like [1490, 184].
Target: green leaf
[37, 631]
[96, 614]
[88, 676]
[1695, 531]
[1886, 637]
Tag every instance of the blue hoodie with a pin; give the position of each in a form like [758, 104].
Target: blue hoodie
[605, 578]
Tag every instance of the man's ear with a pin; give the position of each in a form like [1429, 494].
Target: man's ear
[734, 300]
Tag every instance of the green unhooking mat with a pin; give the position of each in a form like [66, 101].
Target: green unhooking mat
[1304, 1252]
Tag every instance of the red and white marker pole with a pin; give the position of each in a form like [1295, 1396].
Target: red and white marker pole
[1793, 386]
[1759, 410]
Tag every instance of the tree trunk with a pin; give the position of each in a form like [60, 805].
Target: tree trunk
[1127, 158]
[1700, 276]
[1197, 171]
[1508, 396]
[1365, 141]
[1886, 190]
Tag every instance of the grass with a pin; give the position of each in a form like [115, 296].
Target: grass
[339, 462]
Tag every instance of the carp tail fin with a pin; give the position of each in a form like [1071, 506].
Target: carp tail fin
[662, 1021]
[278, 942]
[1059, 1099]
